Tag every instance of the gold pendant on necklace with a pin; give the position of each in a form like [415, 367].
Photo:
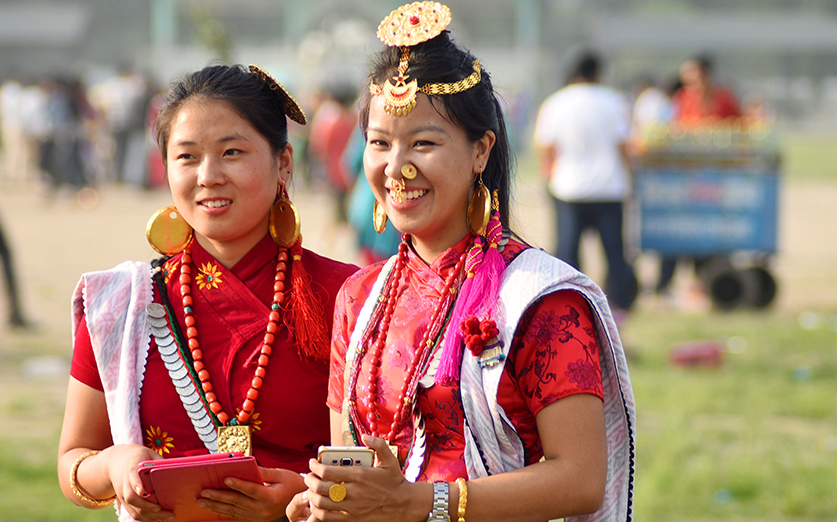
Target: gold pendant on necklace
[234, 439]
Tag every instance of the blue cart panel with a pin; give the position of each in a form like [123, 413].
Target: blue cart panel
[706, 210]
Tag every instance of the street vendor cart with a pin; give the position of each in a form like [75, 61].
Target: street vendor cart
[710, 194]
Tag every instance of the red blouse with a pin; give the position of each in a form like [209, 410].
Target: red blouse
[554, 354]
[691, 108]
[231, 307]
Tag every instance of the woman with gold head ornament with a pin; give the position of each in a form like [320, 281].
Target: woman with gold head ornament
[488, 376]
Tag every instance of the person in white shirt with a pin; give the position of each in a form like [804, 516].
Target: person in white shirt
[581, 135]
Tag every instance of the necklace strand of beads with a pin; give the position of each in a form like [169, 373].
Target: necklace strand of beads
[420, 357]
[249, 403]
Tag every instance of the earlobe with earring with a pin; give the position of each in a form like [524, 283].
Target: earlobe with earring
[284, 222]
[167, 232]
[379, 218]
[479, 208]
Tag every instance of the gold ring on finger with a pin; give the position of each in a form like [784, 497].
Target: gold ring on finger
[337, 492]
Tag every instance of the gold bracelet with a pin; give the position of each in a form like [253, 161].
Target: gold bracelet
[463, 498]
[77, 489]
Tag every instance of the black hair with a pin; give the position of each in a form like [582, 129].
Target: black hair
[706, 63]
[247, 93]
[587, 67]
[475, 110]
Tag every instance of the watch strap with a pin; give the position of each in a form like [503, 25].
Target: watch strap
[441, 503]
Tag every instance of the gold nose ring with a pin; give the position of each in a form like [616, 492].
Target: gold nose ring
[409, 171]
[399, 187]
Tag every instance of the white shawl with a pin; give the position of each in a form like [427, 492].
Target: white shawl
[114, 302]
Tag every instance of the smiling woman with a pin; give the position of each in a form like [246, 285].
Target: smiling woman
[223, 177]
[222, 344]
[488, 376]
[429, 206]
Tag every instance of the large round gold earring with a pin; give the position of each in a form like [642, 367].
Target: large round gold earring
[284, 220]
[479, 209]
[167, 232]
[379, 218]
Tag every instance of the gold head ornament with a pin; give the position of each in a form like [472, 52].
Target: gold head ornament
[405, 27]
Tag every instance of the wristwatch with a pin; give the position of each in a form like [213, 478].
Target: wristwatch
[441, 502]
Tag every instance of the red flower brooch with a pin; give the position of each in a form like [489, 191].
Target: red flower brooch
[482, 340]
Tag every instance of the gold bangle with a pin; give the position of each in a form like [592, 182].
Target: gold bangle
[77, 489]
[463, 498]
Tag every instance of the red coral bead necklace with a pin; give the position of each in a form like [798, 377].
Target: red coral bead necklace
[239, 422]
[420, 357]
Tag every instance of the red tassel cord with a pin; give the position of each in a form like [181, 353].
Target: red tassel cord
[308, 321]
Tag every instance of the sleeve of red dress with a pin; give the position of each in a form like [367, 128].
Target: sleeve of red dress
[339, 344]
[555, 353]
[83, 367]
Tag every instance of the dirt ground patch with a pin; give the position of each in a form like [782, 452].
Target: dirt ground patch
[53, 242]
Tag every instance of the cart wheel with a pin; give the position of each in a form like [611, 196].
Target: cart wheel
[728, 287]
[766, 287]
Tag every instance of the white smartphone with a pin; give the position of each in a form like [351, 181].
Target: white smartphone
[346, 456]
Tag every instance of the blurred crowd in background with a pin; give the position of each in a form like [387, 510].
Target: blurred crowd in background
[66, 138]
[65, 134]
[62, 133]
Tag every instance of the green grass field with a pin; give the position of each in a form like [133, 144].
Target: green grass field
[754, 440]
[810, 158]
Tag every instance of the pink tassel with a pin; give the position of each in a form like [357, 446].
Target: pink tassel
[477, 297]
[492, 269]
[466, 301]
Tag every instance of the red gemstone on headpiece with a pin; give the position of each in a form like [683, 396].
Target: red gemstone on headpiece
[414, 20]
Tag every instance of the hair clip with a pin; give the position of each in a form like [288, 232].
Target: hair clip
[289, 104]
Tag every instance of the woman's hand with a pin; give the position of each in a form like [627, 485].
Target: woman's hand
[251, 501]
[373, 494]
[111, 472]
[298, 510]
[120, 463]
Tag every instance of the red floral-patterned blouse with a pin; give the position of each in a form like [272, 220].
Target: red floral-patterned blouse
[231, 307]
[554, 354]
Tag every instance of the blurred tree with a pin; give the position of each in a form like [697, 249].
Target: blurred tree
[212, 33]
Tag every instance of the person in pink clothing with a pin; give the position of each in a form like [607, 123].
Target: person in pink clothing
[331, 128]
[480, 370]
